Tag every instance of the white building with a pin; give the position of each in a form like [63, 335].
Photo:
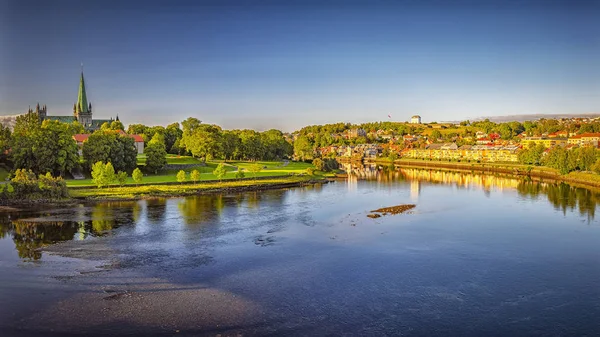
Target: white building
[416, 119]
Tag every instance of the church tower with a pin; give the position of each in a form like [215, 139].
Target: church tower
[82, 110]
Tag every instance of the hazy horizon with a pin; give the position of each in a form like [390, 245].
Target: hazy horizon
[284, 65]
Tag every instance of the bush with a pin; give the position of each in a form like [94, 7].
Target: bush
[137, 176]
[310, 171]
[319, 164]
[195, 176]
[103, 174]
[181, 176]
[220, 171]
[122, 178]
[25, 185]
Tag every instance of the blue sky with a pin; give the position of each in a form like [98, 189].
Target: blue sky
[286, 64]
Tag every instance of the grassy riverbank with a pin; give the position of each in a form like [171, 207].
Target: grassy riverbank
[269, 169]
[164, 190]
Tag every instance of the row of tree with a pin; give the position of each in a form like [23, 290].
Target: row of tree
[564, 160]
[207, 141]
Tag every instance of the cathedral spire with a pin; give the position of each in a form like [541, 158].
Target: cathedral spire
[82, 102]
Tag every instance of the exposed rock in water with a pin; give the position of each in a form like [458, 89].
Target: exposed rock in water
[390, 210]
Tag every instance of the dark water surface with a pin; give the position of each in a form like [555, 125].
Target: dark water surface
[479, 255]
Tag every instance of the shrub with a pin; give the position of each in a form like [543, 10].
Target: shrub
[103, 174]
[137, 176]
[319, 164]
[310, 171]
[220, 171]
[195, 176]
[122, 178]
[240, 174]
[181, 176]
[25, 185]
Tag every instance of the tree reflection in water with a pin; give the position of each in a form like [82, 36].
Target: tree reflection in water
[561, 195]
[29, 236]
[199, 209]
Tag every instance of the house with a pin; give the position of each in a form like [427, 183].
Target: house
[354, 133]
[416, 119]
[548, 142]
[561, 134]
[480, 134]
[80, 138]
[586, 139]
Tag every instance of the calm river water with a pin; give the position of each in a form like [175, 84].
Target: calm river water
[478, 255]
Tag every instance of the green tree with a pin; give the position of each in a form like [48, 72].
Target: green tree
[319, 164]
[109, 172]
[136, 129]
[117, 125]
[122, 178]
[110, 146]
[230, 145]
[156, 154]
[195, 176]
[98, 174]
[303, 148]
[172, 134]
[587, 158]
[26, 123]
[252, 146]
[596, 167]
[48, 147]
[201, 140]
[220, 171]
[240, 174]
[5, 142]
[558, 158]
[181, 176]
[137, 176]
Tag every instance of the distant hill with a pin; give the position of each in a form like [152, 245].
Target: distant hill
[9, 121]
[530, 117]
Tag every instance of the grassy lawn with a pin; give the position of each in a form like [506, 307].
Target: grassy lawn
[273, 169]
[166, 190]
[273, 166]
[172, 159]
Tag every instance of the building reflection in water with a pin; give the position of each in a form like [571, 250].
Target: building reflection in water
[562, 196]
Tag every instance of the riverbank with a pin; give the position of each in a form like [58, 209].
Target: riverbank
[205, 187]
[584, 179]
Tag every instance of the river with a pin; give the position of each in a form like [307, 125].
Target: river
[478, 255]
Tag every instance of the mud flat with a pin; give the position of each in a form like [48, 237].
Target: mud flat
[393, 210]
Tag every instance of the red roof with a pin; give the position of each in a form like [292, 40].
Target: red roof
[136, 138]
[81, 137]
[588, 134]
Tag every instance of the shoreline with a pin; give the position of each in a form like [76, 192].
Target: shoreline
[197, 189]
[165, 190]
[515, 170]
